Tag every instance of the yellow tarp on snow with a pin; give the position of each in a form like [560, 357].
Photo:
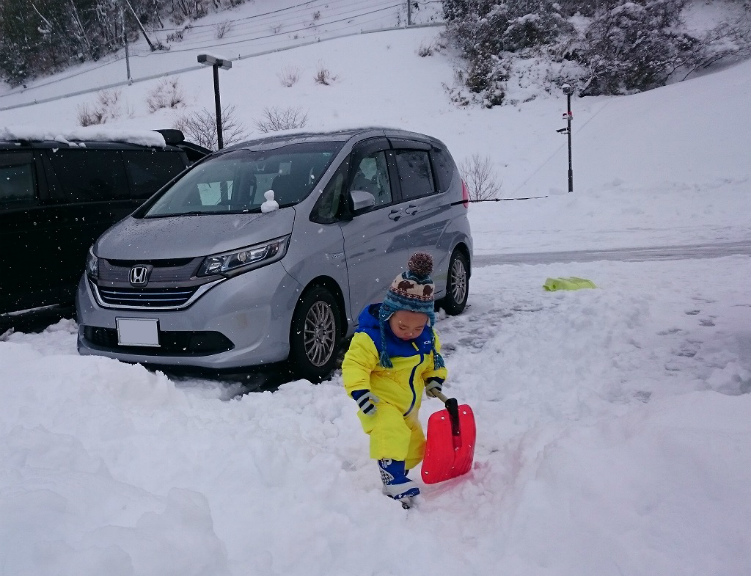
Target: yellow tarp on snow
[572, 283]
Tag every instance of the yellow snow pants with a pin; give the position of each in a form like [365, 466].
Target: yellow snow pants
[393, 435]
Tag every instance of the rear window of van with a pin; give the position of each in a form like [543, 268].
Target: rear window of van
[87, 175]
[149, 170]
[17, 178]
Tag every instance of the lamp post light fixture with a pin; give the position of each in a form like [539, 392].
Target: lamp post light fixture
[216, 63]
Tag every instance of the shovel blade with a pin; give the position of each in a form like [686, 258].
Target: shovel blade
[448, 455]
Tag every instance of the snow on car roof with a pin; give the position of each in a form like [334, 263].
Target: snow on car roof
[88, 134]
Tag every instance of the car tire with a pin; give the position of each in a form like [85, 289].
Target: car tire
[457, 285]
[315, 335]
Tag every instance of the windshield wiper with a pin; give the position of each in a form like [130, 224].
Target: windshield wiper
[203, 213]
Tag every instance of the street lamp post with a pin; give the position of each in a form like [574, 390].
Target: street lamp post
[216, 63]
[568, 90]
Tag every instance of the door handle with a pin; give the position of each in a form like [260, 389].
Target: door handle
[411, 209]
[395, 214]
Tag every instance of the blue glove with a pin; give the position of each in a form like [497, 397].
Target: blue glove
[433, 386]
[366, 400]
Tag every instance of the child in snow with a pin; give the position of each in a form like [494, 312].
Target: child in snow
[393, 357]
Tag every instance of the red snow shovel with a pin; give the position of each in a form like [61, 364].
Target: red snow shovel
[450, 444]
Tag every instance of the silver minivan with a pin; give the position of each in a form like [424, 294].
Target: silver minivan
[267, 251]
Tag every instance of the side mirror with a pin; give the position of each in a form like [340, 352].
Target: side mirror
[361, 201]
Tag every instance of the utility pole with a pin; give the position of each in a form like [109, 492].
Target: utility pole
[125, 41]
[143, 30]
[568, 90]
[409, 12]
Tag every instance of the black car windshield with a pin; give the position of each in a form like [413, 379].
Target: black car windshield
[237, 181]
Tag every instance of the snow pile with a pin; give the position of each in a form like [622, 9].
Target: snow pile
[612, 438]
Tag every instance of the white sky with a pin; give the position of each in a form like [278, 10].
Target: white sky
[613, 423]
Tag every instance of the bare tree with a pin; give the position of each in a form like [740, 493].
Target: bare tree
[323, 75]
[480, 177]
[106, 108]
[289, 76]
[222, 28]
[275, 119]
[425, 49]
[200, 127]
[167, 94]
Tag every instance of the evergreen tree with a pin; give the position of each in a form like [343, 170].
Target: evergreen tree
[488, 32]
[621, 46]
[635, 47]
[43, 36]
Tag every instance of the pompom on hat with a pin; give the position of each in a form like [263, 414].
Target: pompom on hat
[411, 290]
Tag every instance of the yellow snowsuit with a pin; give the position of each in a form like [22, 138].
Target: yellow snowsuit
[395, 430]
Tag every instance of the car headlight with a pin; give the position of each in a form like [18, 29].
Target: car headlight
[92, 265]
[244, 259]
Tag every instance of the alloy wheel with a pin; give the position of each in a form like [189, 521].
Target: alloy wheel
[458, 281]
[319, 334]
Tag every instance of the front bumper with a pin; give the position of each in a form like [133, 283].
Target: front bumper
[242, 321]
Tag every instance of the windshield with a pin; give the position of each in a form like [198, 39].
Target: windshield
[236, 182]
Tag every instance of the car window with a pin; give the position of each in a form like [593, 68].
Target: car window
[237, 181]
[372, 175]
[149, 170]
[87, 175]
[444, 168]
[328, 206]
[415, 174]
[17, 178]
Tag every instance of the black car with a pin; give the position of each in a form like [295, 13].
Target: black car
[58, 196]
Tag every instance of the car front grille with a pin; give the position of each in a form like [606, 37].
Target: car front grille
[172, 284]
[146, 297]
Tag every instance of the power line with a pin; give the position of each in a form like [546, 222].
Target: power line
[200, 67]
[249, 17]
[346, 14]
[272, 35]
[247, 28]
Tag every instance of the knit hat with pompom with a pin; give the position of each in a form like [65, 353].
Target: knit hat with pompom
[411, 290]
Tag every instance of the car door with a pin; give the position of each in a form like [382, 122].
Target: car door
[25, 234]
[372, 246]
[425, 210]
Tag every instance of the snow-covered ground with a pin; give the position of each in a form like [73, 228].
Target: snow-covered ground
[613, 423]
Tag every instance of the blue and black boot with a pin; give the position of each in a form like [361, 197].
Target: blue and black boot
[396, 485]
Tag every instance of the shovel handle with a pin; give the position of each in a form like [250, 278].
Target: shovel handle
[453, 409]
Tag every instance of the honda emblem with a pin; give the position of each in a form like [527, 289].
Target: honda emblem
[138, 275]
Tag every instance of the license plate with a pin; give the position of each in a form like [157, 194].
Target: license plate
[137, 332]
